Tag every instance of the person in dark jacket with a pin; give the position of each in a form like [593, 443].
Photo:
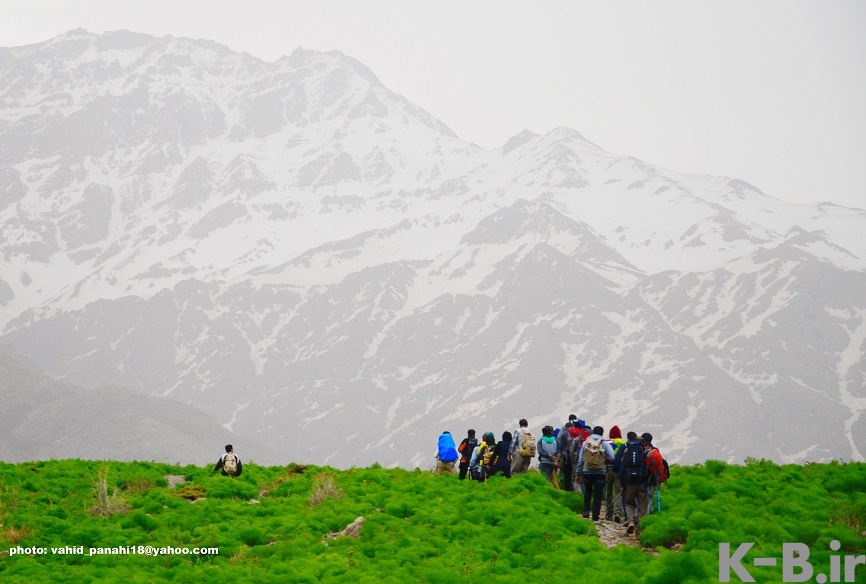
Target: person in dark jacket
[466, 448]
[234, 460]
[477, 466]
[499, 462]
[612, 487]
[634, 482]
[566, 464]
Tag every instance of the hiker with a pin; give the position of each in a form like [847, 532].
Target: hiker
[566, 464]
[566, 467]
[584, 429]
[522, 448]
[592, 461]
[466, 448]
[631, 468]
[230, 463]
[547, 455]
[446, 453]
[473, 460]
[499, 461]
[579, 434]
[612, 487]
[569, 457]
[572, 420]
[481, 457]
[655, 467]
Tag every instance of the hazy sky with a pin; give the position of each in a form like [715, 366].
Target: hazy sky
[769, 91]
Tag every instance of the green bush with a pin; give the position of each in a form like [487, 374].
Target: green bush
[252, 536]
[139, 520]
[418, 527]
[220, 487]
[680, 568]
[664, 531]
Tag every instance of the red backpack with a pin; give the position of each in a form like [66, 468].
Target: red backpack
[573, 443]
[657, 466]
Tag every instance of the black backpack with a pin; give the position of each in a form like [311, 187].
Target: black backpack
[470, 445]
[633, 469]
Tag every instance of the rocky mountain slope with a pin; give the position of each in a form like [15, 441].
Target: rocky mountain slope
[325, 267]
[43, 417]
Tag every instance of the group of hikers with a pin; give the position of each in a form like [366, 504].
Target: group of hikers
[624, 473]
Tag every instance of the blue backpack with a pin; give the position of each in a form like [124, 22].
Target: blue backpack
[446, 450]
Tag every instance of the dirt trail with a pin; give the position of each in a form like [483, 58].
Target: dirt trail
[612, 534]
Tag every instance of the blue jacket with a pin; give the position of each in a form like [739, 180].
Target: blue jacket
[447, 450]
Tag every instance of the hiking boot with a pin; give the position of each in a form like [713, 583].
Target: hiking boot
[617, 519]
[585, 515]
[630, 529]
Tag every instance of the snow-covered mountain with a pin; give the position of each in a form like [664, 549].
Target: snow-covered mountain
[326, 268]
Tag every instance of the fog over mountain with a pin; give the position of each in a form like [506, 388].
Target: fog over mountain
[43, 417]
[327, 269]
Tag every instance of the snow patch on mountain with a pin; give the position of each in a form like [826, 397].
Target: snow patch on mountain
[292, 247]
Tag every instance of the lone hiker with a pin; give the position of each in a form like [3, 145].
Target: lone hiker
[230, 463]
[446, 453]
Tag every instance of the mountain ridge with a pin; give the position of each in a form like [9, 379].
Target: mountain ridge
[45, 418]
[289, 245]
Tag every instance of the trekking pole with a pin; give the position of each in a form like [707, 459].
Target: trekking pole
[659, 498]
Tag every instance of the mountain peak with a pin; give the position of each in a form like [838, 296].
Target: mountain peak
[518, 140]
[189, 221]
[302, 57]
[73, 34]
[566, 134]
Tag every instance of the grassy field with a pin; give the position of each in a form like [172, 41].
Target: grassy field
[270, 525]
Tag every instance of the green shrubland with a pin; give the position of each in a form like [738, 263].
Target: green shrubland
[271, 524]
